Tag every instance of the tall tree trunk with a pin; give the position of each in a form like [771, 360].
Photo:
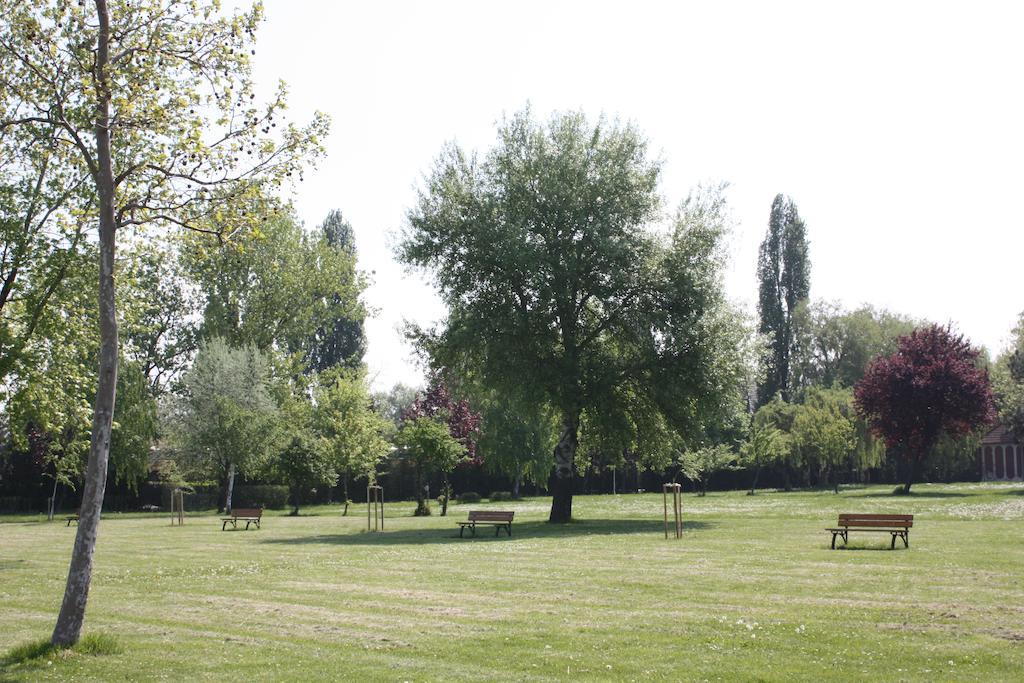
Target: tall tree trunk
[230, 489]
[516, 483]
[753, 483]
[68, 628]
[53, 495]
[446, 492]
[910, 472]
[422, 509]
[562, 479]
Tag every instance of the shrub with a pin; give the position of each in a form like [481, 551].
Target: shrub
[469, 497]
[272, 496]
[497, 496]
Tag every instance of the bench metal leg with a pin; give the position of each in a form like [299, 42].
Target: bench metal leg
[509, 529]
[462, 527]
[894, 535]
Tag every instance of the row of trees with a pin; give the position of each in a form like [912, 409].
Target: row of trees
[587, 334]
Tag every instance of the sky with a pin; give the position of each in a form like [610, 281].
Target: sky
[897, 128]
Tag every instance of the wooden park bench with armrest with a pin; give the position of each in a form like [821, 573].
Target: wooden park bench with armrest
[247, 515]
[73, 518]
[897, 525]
[499, 519]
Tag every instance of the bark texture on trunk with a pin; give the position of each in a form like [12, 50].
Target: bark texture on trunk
[68, 628]
[231, 488]
[563, 477]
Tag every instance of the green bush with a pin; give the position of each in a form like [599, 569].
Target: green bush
[497, 496]
[272, 496]
[469, 497]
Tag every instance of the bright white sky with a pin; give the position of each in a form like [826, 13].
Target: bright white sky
[898, 128]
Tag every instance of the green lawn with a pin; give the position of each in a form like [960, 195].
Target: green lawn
[752, 592]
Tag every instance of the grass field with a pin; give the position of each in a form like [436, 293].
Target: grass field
[752, 592]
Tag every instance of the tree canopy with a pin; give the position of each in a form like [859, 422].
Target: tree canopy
[544, 252]
[784, 276]
[931, 386]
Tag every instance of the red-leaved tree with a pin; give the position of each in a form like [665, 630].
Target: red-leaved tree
[463, 422]
[931, 386]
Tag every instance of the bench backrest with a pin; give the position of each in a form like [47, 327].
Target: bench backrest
[902, 521]
[491, 515]
[247, 512]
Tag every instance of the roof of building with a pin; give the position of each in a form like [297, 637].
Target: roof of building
[998, 435]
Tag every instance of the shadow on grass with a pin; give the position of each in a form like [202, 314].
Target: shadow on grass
[24, 662]
[521, 530]
[899, 546]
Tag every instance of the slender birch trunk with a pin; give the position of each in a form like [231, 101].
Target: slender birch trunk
[68, 628]
[231, 488]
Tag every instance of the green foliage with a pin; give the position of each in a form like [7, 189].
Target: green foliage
[584, 308]
[765, 446]
[1008, 382]
[500, 496]
[304, 465]
[783, 273]
[822, 435]
[834, 347]
[270, 496]
[352, 432]
[276, 287]
[158, 330]
[428, 445]
[226, 415]
[517, 434]
[698, 465]
[341, 340]
[135, 426]
[469, 497]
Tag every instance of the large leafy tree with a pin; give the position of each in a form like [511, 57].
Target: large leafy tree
[303, 465]
[932, 386]
[555, 284]
[784, 283]
[824, 435]
[275, 287]
[351, 430]
[834, 346]
[227, 421]
[152, 103]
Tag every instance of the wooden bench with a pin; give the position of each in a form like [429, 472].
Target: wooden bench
[247, 515]
[72, 518]
[499, 519]
[897, 525]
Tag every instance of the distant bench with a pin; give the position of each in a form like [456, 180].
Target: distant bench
[897, 525]
[499, 519]
[247, 515]
[73, 518]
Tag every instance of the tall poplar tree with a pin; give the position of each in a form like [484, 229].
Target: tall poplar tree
[784, 276]
[152, 104]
